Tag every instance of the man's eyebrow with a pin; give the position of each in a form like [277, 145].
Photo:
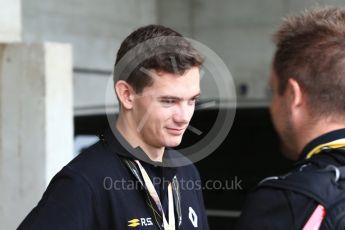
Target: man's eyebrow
[177, 98]
[170, 97]
[196, 95]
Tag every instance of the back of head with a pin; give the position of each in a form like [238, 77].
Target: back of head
[311, 49]
[153, 47]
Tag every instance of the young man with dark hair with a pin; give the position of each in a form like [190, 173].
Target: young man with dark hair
[131, 178]
[308, 107]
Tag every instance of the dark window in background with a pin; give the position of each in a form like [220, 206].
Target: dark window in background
[249, 154]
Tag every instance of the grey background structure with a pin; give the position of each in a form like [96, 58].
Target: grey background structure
[36, 123]
[43, 84]
[238, 31]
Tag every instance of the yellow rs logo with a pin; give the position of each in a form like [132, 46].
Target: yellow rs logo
[133, 223]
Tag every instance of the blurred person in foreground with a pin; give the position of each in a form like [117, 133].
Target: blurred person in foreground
[308, 112]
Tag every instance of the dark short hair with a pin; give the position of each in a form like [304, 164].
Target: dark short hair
[311, 49]
[155, 48]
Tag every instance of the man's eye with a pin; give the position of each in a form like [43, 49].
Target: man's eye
[193, 101]
[168, 101]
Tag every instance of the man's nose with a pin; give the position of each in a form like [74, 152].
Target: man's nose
[183, 113]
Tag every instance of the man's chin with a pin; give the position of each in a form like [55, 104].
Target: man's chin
[173, 142]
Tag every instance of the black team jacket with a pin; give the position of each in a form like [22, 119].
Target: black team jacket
[97, 190]
[271, 208]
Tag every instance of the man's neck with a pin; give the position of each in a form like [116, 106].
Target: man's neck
[129, 132]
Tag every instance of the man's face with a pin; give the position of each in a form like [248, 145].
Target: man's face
[163, 111]
[281, 117]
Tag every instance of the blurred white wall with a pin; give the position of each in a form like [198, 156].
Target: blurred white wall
[95, 29]
[36, 123]
[239, 32]
[10, 21]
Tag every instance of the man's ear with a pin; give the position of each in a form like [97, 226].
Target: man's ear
[296, 96]
[125, 93]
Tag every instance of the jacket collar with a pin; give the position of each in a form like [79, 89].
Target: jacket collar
[119, 145]
[323, 139]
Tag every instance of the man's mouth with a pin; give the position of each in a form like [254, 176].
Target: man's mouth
[175, 131]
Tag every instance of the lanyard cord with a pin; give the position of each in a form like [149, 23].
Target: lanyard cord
[155, 212]
[330, 145]
[133, 169]
[153, 193]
